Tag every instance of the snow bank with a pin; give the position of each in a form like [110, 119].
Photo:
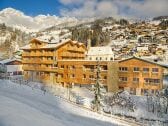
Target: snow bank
[20, 105]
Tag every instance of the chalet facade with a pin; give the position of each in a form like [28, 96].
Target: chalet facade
[140, 76]
[66, 63]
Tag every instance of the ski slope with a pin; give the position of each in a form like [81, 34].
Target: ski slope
[21, 105]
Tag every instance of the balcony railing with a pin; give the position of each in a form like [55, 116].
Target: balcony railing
[38, 54]
[39, 68]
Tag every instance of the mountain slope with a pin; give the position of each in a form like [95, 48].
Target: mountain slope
[18, 19]
[11, 39]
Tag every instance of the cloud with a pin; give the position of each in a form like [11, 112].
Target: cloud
[114, 8]
[67, 2]
[143, 8]
[90, 8]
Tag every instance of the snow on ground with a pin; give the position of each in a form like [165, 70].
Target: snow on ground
[165, 81]
[141, 112]
[22, 106]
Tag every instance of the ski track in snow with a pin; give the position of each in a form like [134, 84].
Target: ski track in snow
[22, 106]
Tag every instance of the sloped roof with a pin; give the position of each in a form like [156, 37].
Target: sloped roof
[155, 63]
[9, 60]
[54, 44]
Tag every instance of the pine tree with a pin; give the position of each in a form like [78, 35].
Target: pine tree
[99, 91]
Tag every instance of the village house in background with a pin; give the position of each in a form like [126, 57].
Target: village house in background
[11, 67]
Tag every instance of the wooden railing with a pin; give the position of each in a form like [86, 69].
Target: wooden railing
[38, 68]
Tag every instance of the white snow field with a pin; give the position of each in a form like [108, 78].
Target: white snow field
[22, 106]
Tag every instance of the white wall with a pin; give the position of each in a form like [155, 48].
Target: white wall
[103, 57]
[12, 68]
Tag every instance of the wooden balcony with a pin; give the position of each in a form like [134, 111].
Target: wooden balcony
[47, 61]
[48, 54]
[37, 68]
[31, 54]
[25, 54]
[75, 49]
[68, 54]
[37, 61]
[89, 71]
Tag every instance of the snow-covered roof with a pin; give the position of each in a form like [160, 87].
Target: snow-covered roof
[26, 47]
[104, 50]
[145, 60]
[53, 44]
[9, 60]
[48, 38]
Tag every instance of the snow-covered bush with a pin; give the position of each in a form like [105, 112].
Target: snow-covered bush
[120, 100]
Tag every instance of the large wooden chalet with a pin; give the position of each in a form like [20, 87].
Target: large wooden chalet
[66, 63]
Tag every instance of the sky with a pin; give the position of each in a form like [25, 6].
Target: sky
[90, 8]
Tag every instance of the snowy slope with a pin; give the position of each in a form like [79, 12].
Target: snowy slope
[19, 20]
[22, 106]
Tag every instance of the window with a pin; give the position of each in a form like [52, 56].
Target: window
[91, 76]
[136, 80]
[90, 58]
[153, 91]
[123, 68]
[151, 81]
[55, 65]
[155, 70]
[145, 69]
[156, 81]
[104, 67]
[136, 69]
[96, 58]
[84, 75]
[72, 67]
[111, 58]
[123, 79]
[147, 80]
[72, 75]
[62, 66]
[100, 58]
[60, 76]
[133, 91]
[145, 91]
[105, 77]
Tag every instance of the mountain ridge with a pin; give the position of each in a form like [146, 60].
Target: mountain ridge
[15, 18]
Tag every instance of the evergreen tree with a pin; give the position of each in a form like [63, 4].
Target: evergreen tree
[99, 91]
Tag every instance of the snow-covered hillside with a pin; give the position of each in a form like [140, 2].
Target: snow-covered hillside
[22, 106]
[18, 19]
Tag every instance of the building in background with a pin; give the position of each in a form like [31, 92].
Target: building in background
[11, 67]
[103, 53]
